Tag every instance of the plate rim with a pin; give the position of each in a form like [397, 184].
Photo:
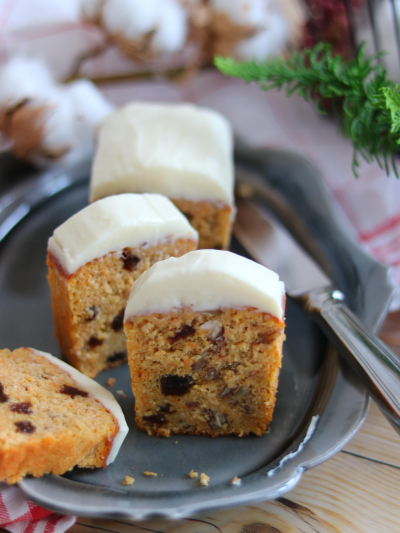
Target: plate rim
[53, 182]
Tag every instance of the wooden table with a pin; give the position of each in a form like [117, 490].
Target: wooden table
[357, 491]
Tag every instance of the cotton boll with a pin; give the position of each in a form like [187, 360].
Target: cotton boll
[131, 18]
[268, 41]
[191, 2]
[46, 122]
[88, 102]
[171, 30]
[23, 78]
[70, 125]
[243, 12]
[91, 9]
[58, 135]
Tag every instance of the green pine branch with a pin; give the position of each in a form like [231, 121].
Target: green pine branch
[358, 91]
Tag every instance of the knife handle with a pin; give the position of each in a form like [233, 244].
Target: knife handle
[377, 366]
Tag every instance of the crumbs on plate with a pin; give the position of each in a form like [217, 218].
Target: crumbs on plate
[204, 479]
[111, 382]
[149, 474]
[128, 480]
[193, 474]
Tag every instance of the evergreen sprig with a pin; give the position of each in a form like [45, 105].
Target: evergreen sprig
[357, 90]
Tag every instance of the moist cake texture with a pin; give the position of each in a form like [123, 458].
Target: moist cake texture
[205, 354]
[93, 260]
[53, 418]
[179, 150]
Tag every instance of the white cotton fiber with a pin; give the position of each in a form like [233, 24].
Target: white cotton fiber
[244, 12]
[131, 18]
[171, 30]
[268, 41]
[24, 77]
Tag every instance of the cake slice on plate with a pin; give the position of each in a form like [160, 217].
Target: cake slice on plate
[53, 418]
[179, 150]
[205, 335]
[93, 260]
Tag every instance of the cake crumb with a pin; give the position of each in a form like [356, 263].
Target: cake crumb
[121, 393]
[176, 442]
[111, 382]
[236, 481]
[128, 480]
[204, 479]
[193, 474]
[149, 473]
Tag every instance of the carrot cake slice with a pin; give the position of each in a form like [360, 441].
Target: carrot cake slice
[205, 335]
[53, 418]
[179, 150]
[93, 260]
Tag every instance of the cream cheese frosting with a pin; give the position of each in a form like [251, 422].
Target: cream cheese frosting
[115, 223]
[206, 280]
[104, 396]
[180, 150]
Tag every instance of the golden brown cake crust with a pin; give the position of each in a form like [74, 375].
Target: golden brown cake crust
[88, 306]
[44, 426]
[213, 373]
[213, 221]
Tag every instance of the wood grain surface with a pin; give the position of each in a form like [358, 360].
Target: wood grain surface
[356, 491]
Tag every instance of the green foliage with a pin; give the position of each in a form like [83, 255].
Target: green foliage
[358, 91]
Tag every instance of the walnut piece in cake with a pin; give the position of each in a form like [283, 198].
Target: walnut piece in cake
[179, 150]
[93, 260]
[205, 334]
[53, 418]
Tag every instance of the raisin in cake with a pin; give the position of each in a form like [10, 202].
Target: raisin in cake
[93, 260]
[181, 151]
[205, 335]
[53, 418]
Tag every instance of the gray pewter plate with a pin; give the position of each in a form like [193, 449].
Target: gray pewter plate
[320, 402]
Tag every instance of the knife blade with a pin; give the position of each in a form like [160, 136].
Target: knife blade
[270, 244]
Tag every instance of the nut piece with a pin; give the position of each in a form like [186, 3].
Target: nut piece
[193, 474]
[111, 382]
[128, 480]
[149, 474]
[236, 481]
[204, 479]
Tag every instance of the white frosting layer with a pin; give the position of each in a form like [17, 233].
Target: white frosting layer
[206, 280]
[179, 150]
[104, 396]
[115, 223]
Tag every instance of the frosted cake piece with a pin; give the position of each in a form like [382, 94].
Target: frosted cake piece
[93, 260]
[179, 150]
[205, 335]
[53, 418]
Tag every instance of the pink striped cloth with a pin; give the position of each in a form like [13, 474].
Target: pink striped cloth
[19, 515]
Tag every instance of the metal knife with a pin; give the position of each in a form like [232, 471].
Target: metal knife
[270, 244]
